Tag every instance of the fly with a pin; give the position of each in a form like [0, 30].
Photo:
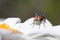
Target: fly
[38, 19]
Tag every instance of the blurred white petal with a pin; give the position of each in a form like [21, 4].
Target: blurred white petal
[27, 27]
[12, 21]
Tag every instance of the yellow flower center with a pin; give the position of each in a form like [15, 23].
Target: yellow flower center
[6, 27]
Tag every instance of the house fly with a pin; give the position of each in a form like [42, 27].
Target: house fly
[38, 18]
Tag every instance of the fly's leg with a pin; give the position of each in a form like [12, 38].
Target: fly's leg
[39, 24]
[33, 24]
[44, 22]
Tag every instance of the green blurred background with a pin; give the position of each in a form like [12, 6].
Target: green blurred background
[24, 9]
